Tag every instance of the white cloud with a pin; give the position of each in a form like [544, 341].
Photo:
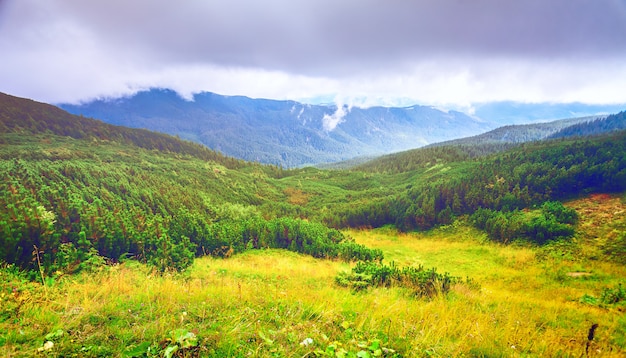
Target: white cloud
[70, 50]
[330, 122]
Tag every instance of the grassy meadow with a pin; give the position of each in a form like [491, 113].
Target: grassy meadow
[522, 300]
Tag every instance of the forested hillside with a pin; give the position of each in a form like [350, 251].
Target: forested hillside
[74, 188]
[520, 133]
[614, 122]
[521, 177]
[23, 116]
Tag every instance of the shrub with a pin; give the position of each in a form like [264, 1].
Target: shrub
[422, 282]
[561, 214]
[554, 222]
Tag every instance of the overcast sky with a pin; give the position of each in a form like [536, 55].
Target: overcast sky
[448, 53]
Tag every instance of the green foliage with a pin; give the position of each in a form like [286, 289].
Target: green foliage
[364, 349]
[422, 282]
[553, 223]
[609, 297]
[522, 177]
[317, 240]
[74, 190]
[614, 295]
[611, 123]
[348, 250]
[560, 213]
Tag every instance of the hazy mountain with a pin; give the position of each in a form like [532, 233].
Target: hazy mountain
[283, 132]
[520, 133]
[614, 122]
[497, 140]
[506, 112]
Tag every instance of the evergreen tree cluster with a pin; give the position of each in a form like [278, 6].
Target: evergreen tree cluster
[519, 178]
[612, 123]
[554, 222]
[50, 209]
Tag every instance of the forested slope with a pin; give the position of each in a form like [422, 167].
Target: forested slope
[74, 189]
[23, 116]
[521, 177]
[614, 122]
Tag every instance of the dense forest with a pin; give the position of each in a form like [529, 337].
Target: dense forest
[74, 190]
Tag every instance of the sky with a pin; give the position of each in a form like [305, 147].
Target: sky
[446, 53]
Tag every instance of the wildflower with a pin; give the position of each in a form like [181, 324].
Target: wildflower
[306, 342]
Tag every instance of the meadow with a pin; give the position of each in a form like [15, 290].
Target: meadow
[522, 300]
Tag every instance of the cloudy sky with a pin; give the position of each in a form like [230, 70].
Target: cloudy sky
[448, 53]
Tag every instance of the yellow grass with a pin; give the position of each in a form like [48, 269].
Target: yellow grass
[265, 303]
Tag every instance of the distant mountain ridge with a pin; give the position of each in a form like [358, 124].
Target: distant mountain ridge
[612, 123]
[286, 133]
[507, 112]
[519, 133]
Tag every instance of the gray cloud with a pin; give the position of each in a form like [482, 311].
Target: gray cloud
[109, 47]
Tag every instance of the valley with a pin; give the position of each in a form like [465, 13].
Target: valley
[313, 179]
[125, 242]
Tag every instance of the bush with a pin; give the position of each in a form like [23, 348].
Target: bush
[553, 223]
[560, 213]
[349, 250]
[422, 282]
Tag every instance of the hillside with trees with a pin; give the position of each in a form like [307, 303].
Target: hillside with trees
[612, 123]
[120, 241]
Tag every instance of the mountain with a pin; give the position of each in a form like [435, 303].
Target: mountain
[66, 179]
[614, 122]
[285, 133]
[497, 140]
[521, 133]
[119, 206]
[507, 112]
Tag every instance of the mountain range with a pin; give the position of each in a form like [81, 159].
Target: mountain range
[285, 133]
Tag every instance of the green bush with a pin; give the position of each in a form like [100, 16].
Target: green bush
[560, 213]
[422, 282]
[554, 222]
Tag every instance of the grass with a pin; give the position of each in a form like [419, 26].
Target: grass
[267, 303]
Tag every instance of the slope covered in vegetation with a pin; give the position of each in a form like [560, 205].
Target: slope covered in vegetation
[100, 226]
[523, 301]
[105, 191]
[75, 187]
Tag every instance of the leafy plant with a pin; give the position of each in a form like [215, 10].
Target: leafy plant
[608, 297]
[363, 349]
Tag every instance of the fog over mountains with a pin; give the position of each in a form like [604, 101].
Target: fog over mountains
[286, 133]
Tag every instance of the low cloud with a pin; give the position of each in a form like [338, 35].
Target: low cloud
[445, 53]
[330, 122]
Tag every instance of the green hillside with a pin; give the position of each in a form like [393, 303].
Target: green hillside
[123, 241]
[77, 184]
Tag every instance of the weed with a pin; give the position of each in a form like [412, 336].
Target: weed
[615, 296]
